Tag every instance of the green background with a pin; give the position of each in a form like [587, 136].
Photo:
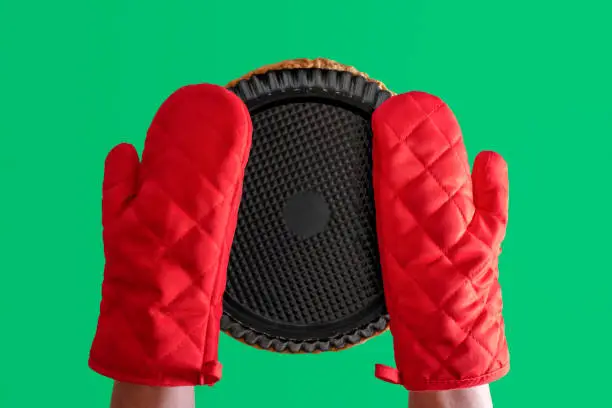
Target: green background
[528, 79]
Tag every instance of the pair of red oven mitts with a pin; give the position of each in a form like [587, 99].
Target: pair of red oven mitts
[169, 221]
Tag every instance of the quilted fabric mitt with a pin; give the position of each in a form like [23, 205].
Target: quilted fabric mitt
[440, 231]
[168, 227]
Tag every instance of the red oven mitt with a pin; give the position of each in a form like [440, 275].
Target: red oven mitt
[168, 226]
[440, 231]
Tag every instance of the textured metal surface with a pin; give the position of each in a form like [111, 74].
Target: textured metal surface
[288, 290]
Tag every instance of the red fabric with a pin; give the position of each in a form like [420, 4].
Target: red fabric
[440, 230]
[168, 226]
[388, 374]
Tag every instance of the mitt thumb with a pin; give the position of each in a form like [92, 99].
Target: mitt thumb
[490, 184]
[120, 176]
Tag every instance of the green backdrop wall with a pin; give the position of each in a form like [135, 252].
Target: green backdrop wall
[528, 79]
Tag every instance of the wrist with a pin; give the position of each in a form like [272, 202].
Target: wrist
[475, 397]
[127, 395]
